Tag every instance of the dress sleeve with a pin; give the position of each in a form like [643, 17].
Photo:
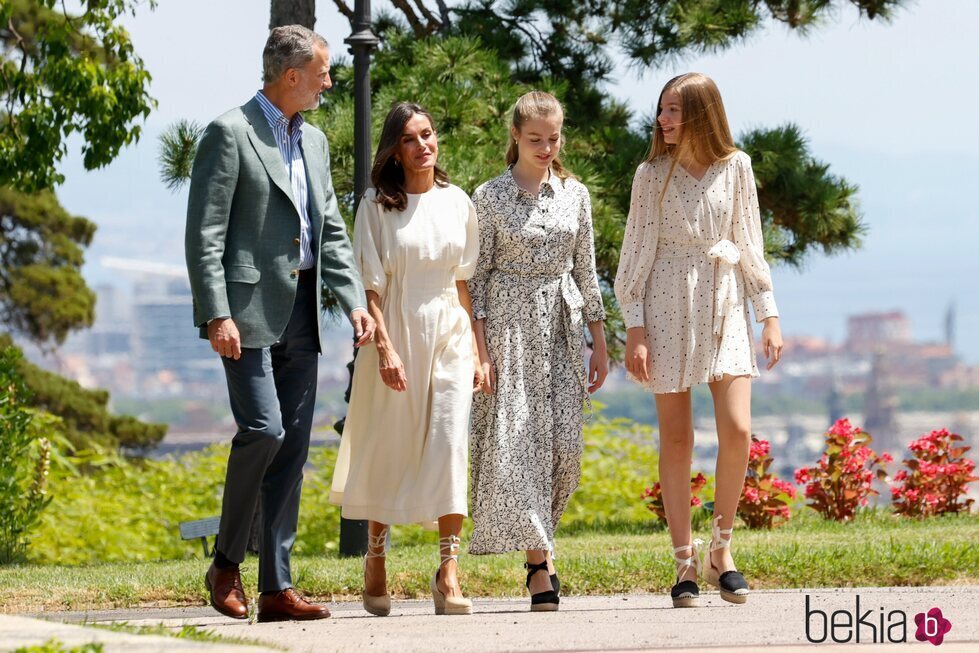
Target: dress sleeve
[367, 244]
[470, 253]
[750, 241]
[638, 246]
[583, 270]
[485, 261]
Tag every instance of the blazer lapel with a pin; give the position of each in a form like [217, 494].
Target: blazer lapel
[263, 141]
[315, 177]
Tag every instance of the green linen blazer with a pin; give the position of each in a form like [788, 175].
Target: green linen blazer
[242, 236]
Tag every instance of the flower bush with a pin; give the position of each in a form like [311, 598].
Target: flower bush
[936, 479]
[765, 497]
[25, 456]
[841, 481]
[653, 496]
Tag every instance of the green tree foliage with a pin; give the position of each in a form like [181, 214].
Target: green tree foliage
[86, 420]
[61, 74]
[24, 459]
[42, 292]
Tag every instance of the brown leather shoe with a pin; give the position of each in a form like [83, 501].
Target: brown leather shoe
[227, 594]
[287, 605]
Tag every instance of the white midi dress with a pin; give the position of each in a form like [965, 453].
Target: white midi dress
[689, 260]
[403, 455]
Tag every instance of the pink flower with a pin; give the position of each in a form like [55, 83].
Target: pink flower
[801, 476]
[895, 492]
[695, 502]
[911, 495]
[811, 490]
[841, 427]
[751, 495]
[886, 457]
[931, 499]
[901, 476]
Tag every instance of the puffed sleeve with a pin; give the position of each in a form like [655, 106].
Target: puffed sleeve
[485, 260]
[367, 244]
[750, 241]
[583, 272]
[470, 253]
[638, 246]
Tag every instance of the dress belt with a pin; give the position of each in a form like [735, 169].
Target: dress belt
[572, 305]
[726, 254]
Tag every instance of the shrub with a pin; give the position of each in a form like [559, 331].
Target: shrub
[765, 498]
[618, 459]
[653, 496]
[936, 479]
[702, 508]
[24, 460]
[841, 480]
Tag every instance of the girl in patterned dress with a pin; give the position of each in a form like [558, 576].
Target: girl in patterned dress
[533, 290]
[692, 253]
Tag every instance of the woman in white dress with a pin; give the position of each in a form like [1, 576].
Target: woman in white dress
[533, 291]
[692, 254]
[403, 453]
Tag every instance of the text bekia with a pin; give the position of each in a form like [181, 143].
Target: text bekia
[843, 626]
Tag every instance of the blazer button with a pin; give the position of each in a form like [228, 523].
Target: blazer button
[294, 274]
[295, 241]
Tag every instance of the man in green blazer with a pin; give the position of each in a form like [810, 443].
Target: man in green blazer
[263, 235]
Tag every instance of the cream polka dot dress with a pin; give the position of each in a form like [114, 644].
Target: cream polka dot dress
[689, 259]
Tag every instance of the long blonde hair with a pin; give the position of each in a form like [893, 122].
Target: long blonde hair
[533, 106]
[705, 137]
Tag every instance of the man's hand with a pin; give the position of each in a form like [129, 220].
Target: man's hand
[224, 337]
[364, 326]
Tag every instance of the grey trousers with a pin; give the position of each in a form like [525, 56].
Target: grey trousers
[272, 393]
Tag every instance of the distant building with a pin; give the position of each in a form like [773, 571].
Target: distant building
[880, 406]
[866, 332]
[166, 350]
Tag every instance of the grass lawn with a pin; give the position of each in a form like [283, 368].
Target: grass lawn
[875, 550]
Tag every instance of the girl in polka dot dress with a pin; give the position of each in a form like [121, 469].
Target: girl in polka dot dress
[692, 255]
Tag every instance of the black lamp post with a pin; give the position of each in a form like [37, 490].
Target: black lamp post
[353, 532]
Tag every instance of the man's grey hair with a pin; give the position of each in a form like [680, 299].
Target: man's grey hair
[289, 46]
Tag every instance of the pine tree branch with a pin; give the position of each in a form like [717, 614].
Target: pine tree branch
[434, 24]
[413, 20]
[345, 10]
[444, 13]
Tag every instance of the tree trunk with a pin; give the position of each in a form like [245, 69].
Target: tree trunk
[293, 12]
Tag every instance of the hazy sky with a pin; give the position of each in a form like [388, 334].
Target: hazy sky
[890, 106]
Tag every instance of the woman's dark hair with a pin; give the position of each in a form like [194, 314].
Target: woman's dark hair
[387, 176]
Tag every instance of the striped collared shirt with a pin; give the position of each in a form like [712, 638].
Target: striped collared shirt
[291, 148]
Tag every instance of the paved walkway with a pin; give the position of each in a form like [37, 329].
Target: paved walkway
[773, 619]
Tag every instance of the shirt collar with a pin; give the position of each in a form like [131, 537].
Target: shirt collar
[553, 184]
[275, 116]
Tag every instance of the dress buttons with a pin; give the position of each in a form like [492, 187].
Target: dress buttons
[294, 274]
[295, 241]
